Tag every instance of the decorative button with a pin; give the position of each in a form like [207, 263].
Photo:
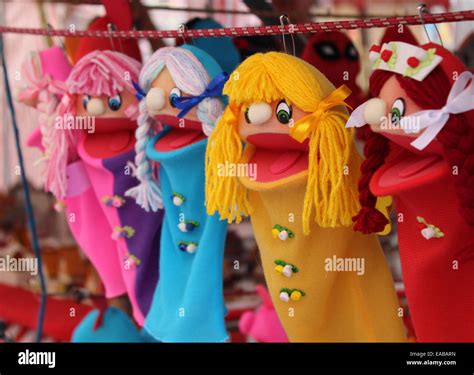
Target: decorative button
[188, 225]
[284, 268]
[123, 232]
[188, 246]
[133, 258]
[293, 294]
[177, 199]
[114, 201]
[386, 55]
[296, 295]
[59, 206]
[281, 232]
[287, 270]
[413, 61]
[284, 296]
[429, 231]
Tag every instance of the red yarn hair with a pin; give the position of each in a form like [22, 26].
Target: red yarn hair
[457, 139]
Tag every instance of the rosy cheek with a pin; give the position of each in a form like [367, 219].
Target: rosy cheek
[244, 129]
[286, 128]
[119, 113]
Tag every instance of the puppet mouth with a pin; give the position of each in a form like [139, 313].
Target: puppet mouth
[278, 155]
[407, 167]
[183, 133]
[109, 125]
[106, 137]
[416, 160]
[434, 148]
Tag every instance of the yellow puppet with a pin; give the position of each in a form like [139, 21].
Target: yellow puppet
[281, 154]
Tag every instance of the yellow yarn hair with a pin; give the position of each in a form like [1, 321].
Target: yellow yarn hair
[333, 161]
[225, 194]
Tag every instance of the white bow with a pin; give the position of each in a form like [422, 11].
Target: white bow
[460, 99]
[357, 119]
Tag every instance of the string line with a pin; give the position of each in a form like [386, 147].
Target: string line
[307, 28]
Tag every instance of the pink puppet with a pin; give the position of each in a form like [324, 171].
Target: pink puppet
[89, 169]
[88, 145]
[263, 324]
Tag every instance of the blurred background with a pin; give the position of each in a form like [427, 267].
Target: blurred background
[71, 281]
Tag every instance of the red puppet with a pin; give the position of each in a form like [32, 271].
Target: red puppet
[420, 150]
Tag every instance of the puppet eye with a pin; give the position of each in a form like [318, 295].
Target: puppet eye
[246, 115]
[327, 50]
[397, 111]
[258, 113]
[283, 112]
[85, 101]
[351, 52]
[174, 94]
[115, 102]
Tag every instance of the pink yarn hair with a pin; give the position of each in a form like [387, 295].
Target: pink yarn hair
[62, 152]
[99, 73]
[103, 73]
[43, 91]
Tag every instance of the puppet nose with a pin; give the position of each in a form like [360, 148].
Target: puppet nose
[374, 111]
[95, 107]
[155, 100]
[259, 113]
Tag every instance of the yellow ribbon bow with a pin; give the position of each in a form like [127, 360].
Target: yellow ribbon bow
[304, 127]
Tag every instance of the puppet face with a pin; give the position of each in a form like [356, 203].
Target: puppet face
[333, 53]
[266, 126]
[162, 104]
[260, 118]
[394, 104]
[397, 105]
[104, 106]
[113, 130]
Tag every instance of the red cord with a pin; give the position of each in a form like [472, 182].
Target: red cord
[467, 15]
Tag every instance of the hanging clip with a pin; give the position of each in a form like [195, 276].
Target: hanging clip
[111, 27]
[182, 28]
[284, 18]
[422, 11]
[61, 43]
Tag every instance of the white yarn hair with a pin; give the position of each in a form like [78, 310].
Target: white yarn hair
[191, 77]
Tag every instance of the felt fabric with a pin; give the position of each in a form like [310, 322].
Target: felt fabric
[92, 222]
[393, 34]
[87, 45]
[438, 273]
[263, 324]
[214, 47]
[54, 62]
[116, 327]
[336, 306]
[133, 260]
[89, 226]
[188, 304]
[334, 54]
[24, 313]
[145, 244]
